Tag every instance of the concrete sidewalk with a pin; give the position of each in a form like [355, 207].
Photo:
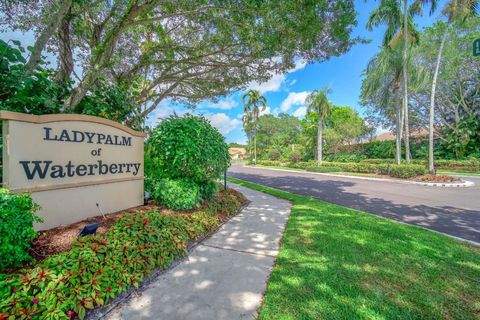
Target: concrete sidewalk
[225, 276]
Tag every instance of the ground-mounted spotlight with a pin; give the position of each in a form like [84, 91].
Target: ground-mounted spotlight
[89, 229]
[146, 197]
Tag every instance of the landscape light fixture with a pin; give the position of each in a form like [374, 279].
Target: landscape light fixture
[89, 229]
[146, 197]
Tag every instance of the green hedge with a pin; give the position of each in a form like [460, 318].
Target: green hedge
[16, 228]
[397, 171]
[324, 169]
[176, 194]
[466, 165]
[98, 268]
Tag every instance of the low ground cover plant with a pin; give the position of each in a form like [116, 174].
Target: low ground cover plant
[99, 267]
[17, 215]
[441, 178]
[340, 263]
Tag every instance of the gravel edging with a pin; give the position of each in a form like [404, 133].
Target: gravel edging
[101, 312]
[461, 184]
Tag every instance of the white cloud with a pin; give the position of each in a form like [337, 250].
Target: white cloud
[264, 112]
[300, 112]
[271, 85]
[226, 104]
[276, 81]
[294, 99]
[223, 123]
[299, 64]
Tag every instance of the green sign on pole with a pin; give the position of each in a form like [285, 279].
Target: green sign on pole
[476, 48]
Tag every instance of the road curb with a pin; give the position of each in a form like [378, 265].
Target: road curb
[462, 184]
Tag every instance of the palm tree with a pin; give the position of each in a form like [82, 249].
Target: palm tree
[252, 101]
[247, 128]
[454, 10]
[318, 102]
[407, 14]
[399, 25]
[382, 81]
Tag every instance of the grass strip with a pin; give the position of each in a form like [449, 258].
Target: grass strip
[340, 263]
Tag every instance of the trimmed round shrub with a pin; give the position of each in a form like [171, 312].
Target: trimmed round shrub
[16, 228]
[177, 194]
[189, 147]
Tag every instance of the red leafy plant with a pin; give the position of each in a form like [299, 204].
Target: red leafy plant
[99, 267]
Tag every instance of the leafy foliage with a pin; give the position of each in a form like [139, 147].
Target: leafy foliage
[187, 51]
[188, 147]
[208, 190]
[394, 170]
[177, 194]
[35, 94]
[16, 228]
[98, 268]
[463, 139]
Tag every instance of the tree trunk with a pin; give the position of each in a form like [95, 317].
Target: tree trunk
[431, 166]
[320, 142]
[255, 148]
[65, 59]
[398, 136]
[405, 81]
[46, 34]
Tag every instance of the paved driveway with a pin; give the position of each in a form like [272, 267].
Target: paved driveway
[455, 211]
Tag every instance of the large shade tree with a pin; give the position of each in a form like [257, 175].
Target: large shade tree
[185, 51]
[454, 10]
[457, 92]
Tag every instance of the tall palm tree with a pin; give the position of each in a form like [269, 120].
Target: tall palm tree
[382, 84]
[383, 77]
[399, 23]
[253, 104]
[407, 14]
[454, 10]
[318, 102]
[390, 14]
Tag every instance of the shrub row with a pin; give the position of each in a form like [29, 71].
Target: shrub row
[398, 171]
[323, 169]
[98, 268]
[16, 228]
[466, 165]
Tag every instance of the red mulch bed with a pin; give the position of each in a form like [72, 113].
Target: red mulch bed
[440, 178]
[60, 239]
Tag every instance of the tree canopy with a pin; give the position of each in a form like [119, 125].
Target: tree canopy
[186, 51]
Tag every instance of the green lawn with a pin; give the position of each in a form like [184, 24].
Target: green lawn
[339, 263]
[357, 174]
[458, 172]
[371, 175]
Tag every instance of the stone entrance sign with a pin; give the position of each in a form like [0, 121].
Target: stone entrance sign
[75, 166]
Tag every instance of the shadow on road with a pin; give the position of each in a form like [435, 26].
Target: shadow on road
[454, 221]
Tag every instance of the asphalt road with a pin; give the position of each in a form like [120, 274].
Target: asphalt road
[454, 211]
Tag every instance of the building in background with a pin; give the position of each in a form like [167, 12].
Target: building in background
[237, 153]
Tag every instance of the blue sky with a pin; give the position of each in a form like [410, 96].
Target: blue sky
[287, 93]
